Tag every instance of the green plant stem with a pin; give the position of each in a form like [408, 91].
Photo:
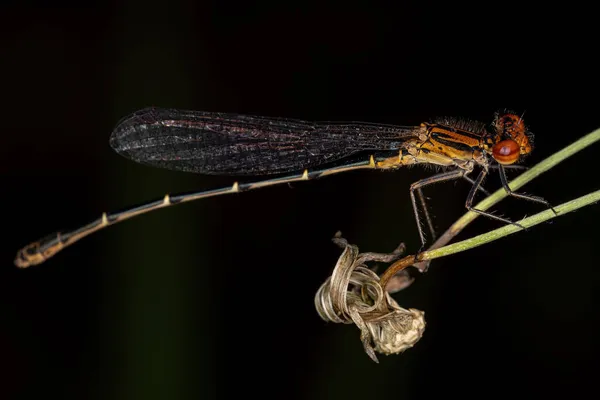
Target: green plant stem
[496, 234]
[510, 229]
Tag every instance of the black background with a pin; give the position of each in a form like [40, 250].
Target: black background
[214, 299]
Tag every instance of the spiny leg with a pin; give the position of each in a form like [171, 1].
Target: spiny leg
[471, 197]
[535, 199]
[509, 166]
[472, 182]
[426, 213]
[452, 176]
[417, 186]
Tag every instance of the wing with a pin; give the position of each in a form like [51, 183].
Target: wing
[230, 144]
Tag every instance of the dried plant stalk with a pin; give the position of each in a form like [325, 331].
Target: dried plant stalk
[353, 294]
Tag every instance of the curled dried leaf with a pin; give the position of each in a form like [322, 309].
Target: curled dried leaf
[353, 294]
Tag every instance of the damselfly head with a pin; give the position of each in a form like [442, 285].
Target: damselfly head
[514, 139]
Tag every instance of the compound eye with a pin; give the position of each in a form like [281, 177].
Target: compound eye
[506, 152]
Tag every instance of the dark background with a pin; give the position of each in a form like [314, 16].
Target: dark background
[215, 299]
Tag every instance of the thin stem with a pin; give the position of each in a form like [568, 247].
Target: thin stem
[496, 234]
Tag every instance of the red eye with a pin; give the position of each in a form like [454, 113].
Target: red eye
[506, 152]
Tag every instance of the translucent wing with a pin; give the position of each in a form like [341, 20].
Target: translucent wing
[229, 144]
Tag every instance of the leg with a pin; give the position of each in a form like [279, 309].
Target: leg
[417, 186]
[471, 197]
[510, 166]
[509, 191]
[424, 206]
[480, 187]
[426, 213]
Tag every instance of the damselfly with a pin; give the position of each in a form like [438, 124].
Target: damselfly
[229, 144]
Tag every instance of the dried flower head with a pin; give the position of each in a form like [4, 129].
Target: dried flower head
[353, 294]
